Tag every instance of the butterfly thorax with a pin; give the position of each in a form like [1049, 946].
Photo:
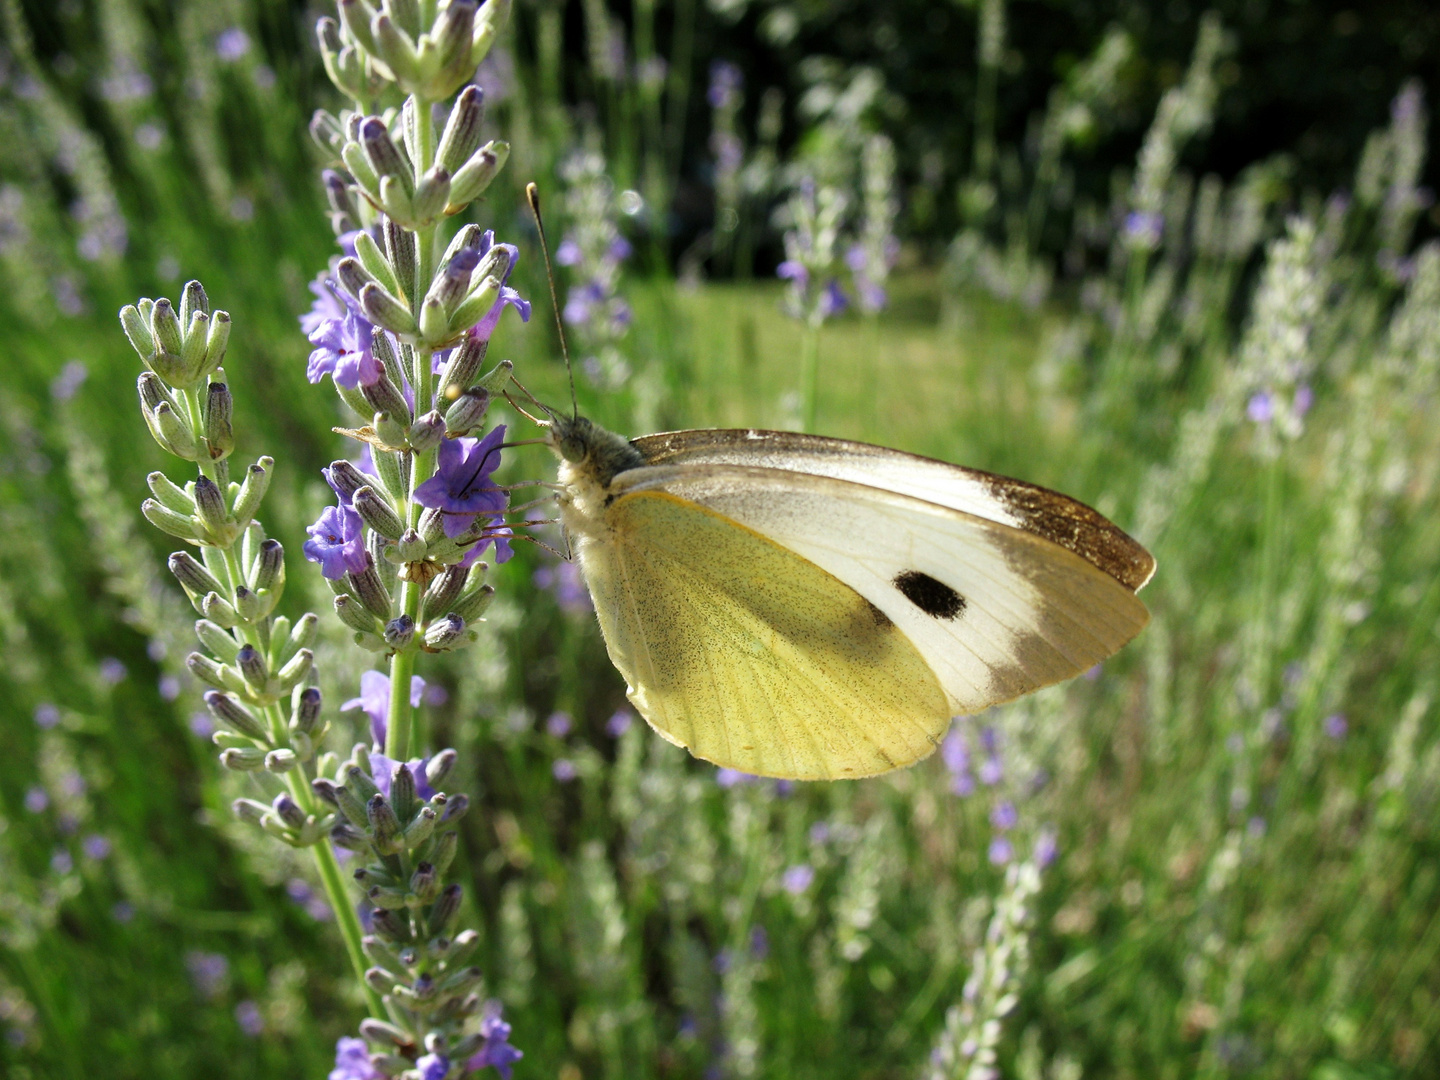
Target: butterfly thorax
[590, 459]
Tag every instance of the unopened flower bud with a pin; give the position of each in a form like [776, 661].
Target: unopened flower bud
[426, 433]
[234, 715]
[296, 670]
[252, 666]
[375, 263]
[249, 810]
[394, 47]
[351, 806]
[354, 614]
[137, 329]
[173, 432]
[369, 589]
[217, 341]
[471, 606]
[401, 253]
[432, 195]
[252, 490]
[470, 181]
[468, 412]
[425, 883]
[377, 513]
[446, 632]
[475, 306]
[192, 301]
[445, 909]
[214, 638]
[219, 611]
[462, 129]
[250, 605]
[192, 353]
[288, 810]
[444, 853]
[345, 478]
[210, 507]
[325, 790]
[305, 712]
[444, 590]
[281, 760]
[243, 760]
[399, 633]
[420, 827]
[439, 766]
[267, 571]
[207, 670]
[165, 330]
[384, 825]
[410, 547]
[195, 579]
[167, 520]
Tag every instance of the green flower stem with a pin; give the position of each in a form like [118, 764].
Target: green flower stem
[345, 918]
[809, 374]
[400, 716]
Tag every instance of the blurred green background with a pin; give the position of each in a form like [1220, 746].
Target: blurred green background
[1245, 802]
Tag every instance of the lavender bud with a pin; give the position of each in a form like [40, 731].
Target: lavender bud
[444, 853]
[354, 615]
[444, 590]
[390, 925]
[210, 506]
[168, 521]
[472, 604]
[378, 1031]
[174, 434]
[410, 548]
[193, 577]
[453, 283]
[471, 179]
[217, 341]
[345, 478]
[296, 670]
[380, 980]
[462, 981]
[453, 33]
[445, 909]
[384, 825]
[447, 632]
[252, 490]
[432, 194]
[475, 305]
[349, 837]
[381, 955]
[234, 715]
[382, 396]
[495, 379]
[253, 667]
[467, 413]
[455, 807]
[337, 193]
[214, 638]
[305, 713]
[356, 14]
[426, 432]
[288, 810]
[420, 827]
[193, 300]
[282, 760]
[399, 632]
[267, 571]
[434, 323]
[380, 151]
[353, 276]
[439, 766]
[402, 791]
[169, 495]
[400, 247]
[462, 129]
[325, 791]
[425, 883]
[351, 807]
[166, 332]
[137, 329]
[367, 587]
[375, 263]
[247, 760]
[356, 778]
[377, 513]
[250, 605]
[303, 636]
[219, 611]
[192, 353]
[249, 810]
[207, 670]
[432, 526]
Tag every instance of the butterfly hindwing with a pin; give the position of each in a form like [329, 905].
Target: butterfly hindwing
[995, 610]
[750, 654]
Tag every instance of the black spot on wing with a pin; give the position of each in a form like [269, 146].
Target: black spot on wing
[935, 598]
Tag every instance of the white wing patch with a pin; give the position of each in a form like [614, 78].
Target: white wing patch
[1030, 612]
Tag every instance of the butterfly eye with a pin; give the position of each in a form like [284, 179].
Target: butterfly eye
[572, 449]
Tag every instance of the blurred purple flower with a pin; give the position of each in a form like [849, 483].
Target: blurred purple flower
[729, 778]
[209, 972]
[1260, 408]
[1143, 229]
[568, 253]
[36, 799]
[1304, 398]
[112, 671]
[564, 770]
[497, 1051]
[383, 769]
[96, 847]
[1001, 850]
[1004, 816]
[432, 1067]
[46, 715]
[122, 911]
[797, 879]
[61, 862]
[168, 687]
[558, 724]
[1336, 726]
[1047, 846]
[726, 82]
[247, 1015]
[232, 44]
[202, 725]
[71, 377]
[567, 583]
[618, 724]
[374, 699]
[352, 1061]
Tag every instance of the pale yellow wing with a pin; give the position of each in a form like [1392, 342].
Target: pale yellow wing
[750, 655]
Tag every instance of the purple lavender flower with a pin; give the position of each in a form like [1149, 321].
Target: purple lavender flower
[833, 300]
[462, 486]
[343, 351]
[797, 879]
[123, 911]
[209, 972]
[1336, 726]
[202, 725]
[232, 44]
[568, 585]
[337, 542]
[1261, 408]
[352, 1061]
[759, 943]
[1001, 850]
[793, 270]
[618, 724]
[168, 687]
[564, 770]
[433, 1067]
[47, 716]
[558, 724]
[568, 253]
[112, 671]
[729, 778]
[497, 1051]
[820, 832]
[95, 847]
[374, 699]
[486, 326]
[36, 800]
[726, 82]
[1256, 827]
[382, 771]
[72, 376]
[247, 1015]
[1004, 816]
[61, 862]
[1144, 229]
[329, 304]
[1304, 398]
[1047, 846]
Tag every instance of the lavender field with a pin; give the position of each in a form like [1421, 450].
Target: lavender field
[384, 810]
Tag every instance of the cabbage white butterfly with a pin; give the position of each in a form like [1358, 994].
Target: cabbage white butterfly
[810, 608]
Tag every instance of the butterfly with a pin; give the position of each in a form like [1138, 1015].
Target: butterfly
[809, 608]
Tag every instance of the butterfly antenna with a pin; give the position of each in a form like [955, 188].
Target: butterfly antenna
[532, 196]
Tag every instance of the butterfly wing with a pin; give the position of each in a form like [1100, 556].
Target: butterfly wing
[995, 610]
[1045, 513]
[749, 654]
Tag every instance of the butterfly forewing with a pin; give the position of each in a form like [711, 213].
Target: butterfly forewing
[1033, 509]
[996, 611]
[752, 655]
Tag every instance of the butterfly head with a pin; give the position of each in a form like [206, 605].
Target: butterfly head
[589, 450]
